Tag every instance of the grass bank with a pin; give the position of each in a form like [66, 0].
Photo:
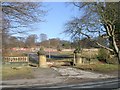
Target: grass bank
[102, 68]
[13, 72]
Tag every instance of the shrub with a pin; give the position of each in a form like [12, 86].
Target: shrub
[103, 55]
[41, 51]
[59, 48]
[112, 59]
[41, 48]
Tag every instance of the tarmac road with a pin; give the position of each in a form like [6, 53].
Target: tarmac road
[109, 84]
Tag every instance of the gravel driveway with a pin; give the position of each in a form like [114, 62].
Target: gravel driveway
[65, 74]
[77, 73]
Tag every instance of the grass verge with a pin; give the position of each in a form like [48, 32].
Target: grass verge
[11, 73]
[102, 68]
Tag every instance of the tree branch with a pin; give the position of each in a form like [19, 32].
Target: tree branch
[104, 47]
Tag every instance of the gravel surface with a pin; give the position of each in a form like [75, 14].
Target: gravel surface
[64, 74]
[77, 73]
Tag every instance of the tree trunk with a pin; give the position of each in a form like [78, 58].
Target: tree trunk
[110, 29]
[119, 57]
[117, 51]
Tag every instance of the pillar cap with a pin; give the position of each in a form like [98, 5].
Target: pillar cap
[41, 52]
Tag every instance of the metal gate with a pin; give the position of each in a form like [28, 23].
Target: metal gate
[33, 59]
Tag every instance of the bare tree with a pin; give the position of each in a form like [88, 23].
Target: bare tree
[31, 40]
[17, 15]
[43, 37]
[100, 19]
[20, 14]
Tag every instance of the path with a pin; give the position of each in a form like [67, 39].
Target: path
[77, 73]
[45, 76]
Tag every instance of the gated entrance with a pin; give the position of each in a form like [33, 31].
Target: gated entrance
[33, 59]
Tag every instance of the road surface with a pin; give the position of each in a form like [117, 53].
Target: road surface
[109, 84]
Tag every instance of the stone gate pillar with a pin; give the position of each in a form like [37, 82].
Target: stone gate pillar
[42, 59]
[78, 59]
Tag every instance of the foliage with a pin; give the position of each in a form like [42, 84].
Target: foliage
[103, 55]
[90, 53]
[56, 43]
[41, 52]
[65, 44]
[31, 40]
[59, 48]
[106, 56]
[41, 48]
[51, 43]
[112, 60]
[18, 42]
